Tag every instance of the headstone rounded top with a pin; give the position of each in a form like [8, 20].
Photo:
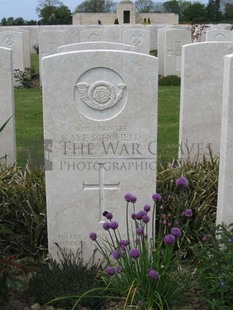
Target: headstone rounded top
[125, 1]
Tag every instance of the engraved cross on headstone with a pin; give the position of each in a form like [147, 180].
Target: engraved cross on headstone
[101, 187]
[176, 52]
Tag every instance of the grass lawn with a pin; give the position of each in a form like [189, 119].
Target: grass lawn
[29, 122]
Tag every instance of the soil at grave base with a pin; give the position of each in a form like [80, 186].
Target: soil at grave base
[18, 301]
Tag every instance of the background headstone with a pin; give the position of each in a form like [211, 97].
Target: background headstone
[94, 45]
[138, 38]
[15, 41]
[225, 187]
[174, 40]
[7, 136]
[219, 35]
[201, 98]
[100, 129]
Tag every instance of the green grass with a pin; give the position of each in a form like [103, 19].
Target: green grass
[29, 123]
[35, 62]
[168, 122]
[29, 126]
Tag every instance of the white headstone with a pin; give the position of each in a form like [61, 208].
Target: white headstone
[15, 41]
[100, 129]
[94, 45]
[225, 187]
[219, 35]
[138, 38]
[161, 49]
[7, 136]
[91, 34]
[49, 42]
[201, 98]
[174, 40]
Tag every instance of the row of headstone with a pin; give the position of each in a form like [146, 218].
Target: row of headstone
[101, 144]
[75, 34]
[99, 141]
[7, 116]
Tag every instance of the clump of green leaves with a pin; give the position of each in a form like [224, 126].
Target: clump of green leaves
[147, 267]
[26, 77]
[10, 271]
[202, 194]
[62, 283]
[214, 257]
[23, 229]
[170, 80]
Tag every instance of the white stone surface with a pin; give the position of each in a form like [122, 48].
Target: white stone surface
[15, 41]
[201, 98]
[138, 38]
[49, 42]
[225, 187]
[94, 45]
[100, 129]
[161, 50]
[92, 33]
[219, 35]
[7, 136]
[174, 40]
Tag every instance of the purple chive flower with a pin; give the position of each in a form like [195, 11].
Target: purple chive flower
[133, 216]
[188, 212]
[106, 226]
[123, 242]
[108, 215]
[156, 197]
[140, 231]
[176, 232]
[140, 303]
[114, 225]
[110, 271]
[146, 219]
[169, 239]
[137, 241]
[182, 182]
[93, 236]
[134, 253]
[140, 214]
[116, 254]
[123, 248]
[119, 269]
[153, 274]
[130, 198]
[147, 208]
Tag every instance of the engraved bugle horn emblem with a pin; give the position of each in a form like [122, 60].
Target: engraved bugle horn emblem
[100, 95]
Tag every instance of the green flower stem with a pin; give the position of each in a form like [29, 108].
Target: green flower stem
[153, 221]
[127, 219]
[102, 251]
[113, 243]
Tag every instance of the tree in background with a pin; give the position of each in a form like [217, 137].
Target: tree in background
[228, 9]
[144, 6]
[19, 21]
[213, 11]
[195, 13]
[171, 6]
[53, 12]
[96, 6]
